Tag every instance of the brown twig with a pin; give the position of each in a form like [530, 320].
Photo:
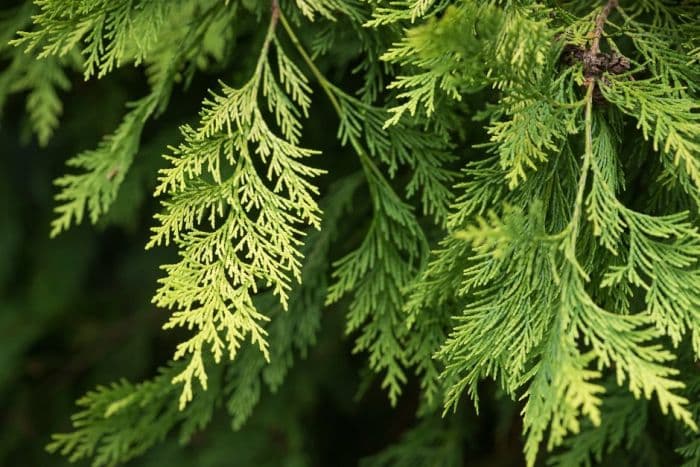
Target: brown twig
[600, 25]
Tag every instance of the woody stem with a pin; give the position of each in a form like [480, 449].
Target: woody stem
[600, 25]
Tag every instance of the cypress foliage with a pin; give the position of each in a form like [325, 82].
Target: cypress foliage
[511, 195]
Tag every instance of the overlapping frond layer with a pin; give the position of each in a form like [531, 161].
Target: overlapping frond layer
[119, 422]
[555, 280]
[562, 261]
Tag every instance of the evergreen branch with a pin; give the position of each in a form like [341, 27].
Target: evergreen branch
[113, 32]
[624, 421]
[560, 383]
[104, 169]
[569, 265]
[445, 65]
[660, 254]
[294, 330]
[95, 190]
[664, 55]
[383, 264]
[572, 231]
[672, 123]
[404, 10]
[239, 234]
[41, 79]
[324, 8]
[119, 422]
